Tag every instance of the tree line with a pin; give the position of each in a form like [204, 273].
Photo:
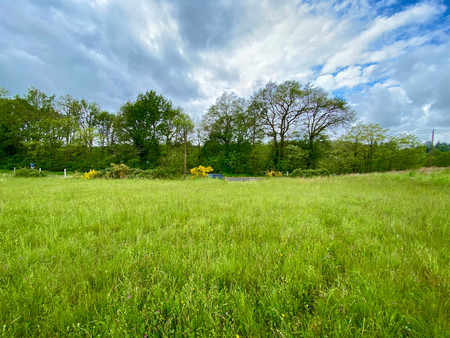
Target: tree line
[282, 126]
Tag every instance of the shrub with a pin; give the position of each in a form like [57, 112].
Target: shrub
[273, 173]
[24, 172]
[77, 174]
[150, 174]
[92, 174]
[160, 173]
[310, 173]
[323, 172]
[201, 171]
[139, 173]
[117, 171]
[297, 173]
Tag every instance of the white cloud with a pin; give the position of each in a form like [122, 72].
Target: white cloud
[415, 96]
[192, 51]
[353, 50]
[288, 43]
[349, 78]
[284, 44]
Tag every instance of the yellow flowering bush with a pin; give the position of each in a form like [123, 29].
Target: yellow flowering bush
[201, 171]
[273, 173]
[91, 174]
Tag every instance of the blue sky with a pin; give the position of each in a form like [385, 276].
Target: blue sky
[389, 59]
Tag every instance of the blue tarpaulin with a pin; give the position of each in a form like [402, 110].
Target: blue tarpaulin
[219, 176]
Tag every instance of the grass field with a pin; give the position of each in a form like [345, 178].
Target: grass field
[339, 256]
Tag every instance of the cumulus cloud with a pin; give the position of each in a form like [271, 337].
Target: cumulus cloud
[385, 58]
[354, 51]
[415, 94]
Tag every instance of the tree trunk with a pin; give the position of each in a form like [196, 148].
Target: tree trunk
[280, 151]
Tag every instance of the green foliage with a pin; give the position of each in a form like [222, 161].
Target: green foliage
[440, 158]
[172, 160]
[259, 159]
[309, 173]
[119, 171]
[283, 126]
[323, 115]
[231, 120]
[141, 174]
[154, 174]
[367, 148]
[285, 107]
[280, 107]
[24, 172]
[122, 171]
[145, 122]
[230, 128]
[442, 147]
[296, 157]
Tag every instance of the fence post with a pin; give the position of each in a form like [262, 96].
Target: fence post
[39, 169]
[65, 173]
[14, 170]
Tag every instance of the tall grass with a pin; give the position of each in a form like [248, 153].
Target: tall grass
[339, 256]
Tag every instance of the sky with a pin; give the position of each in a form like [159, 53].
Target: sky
[389, 59]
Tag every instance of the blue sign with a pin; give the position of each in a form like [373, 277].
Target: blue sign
[218, 176]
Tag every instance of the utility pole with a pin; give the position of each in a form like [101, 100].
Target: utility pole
[431, 150]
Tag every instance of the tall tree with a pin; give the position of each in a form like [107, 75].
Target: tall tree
[176, 134]
[88, 122]
[362, 142]
[280, 107]
[323, 114]
[231, 128]
[220, 120]
[249, 127]
[42, 130]
[141, 123]
[410, 151]
[11, 145]
[174, 126]
[105, 127]
[70, 110]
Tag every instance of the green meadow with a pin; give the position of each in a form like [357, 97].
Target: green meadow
[358, 255]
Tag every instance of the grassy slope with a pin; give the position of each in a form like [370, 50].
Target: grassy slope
[342, 256]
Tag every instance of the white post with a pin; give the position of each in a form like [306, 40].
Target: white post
[65, 173]
[14, 170]
[39, 169]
